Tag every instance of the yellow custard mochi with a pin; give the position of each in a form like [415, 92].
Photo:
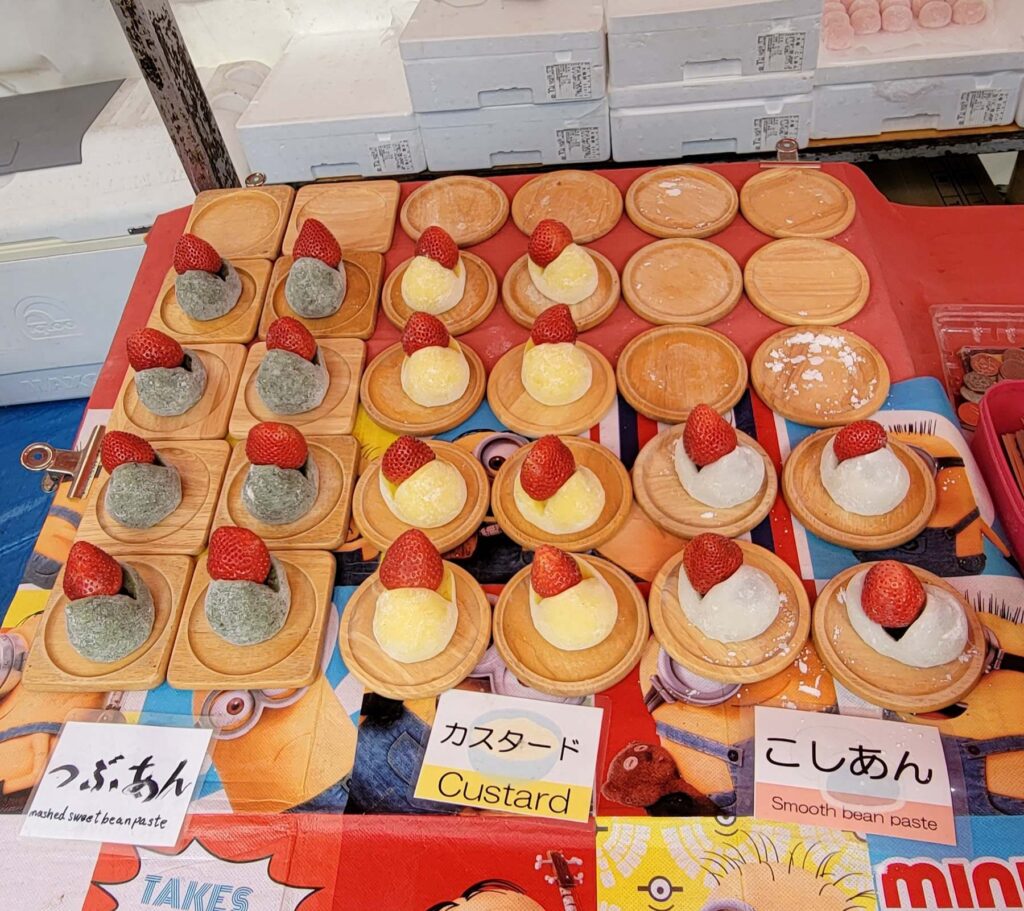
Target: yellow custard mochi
[556, 373]
[575, 506]
[569, 279]
[429, 287]
[430, 497]
[578, 618]
[416, 624]
[435, 376]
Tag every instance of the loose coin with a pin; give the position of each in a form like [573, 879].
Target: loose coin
[985, 364]
[978, 381]
[970, 395]
[969, 413]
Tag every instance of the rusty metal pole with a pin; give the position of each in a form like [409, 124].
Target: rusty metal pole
[167, 67]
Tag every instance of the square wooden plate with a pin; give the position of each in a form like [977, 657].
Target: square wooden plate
[360, 214]
[242, 221]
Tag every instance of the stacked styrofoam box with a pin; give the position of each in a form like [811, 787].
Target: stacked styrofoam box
[692, 77]
[508, 82]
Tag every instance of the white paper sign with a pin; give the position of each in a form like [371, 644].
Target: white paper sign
[119, 783]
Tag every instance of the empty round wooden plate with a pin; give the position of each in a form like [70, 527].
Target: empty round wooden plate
[806, 281]
[470, 209]
[381, 526]
[885, 681]
[521, 412]
[819, 375]
[382, 395]
[797, 202]
[610, 472]
[682, 280]
[747, 661]
[588, 204]
[477, 302]
[657, 489]
[538, 663]
[664, 372]
[810, 502]
[525, 303]
[380, 673]
[681, 201]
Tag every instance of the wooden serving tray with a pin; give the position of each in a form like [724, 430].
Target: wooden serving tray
[360, 214]
[667, 504]
[884, 681]
[552, 670]
[202, 660]
[524, 303]
[325, 526]
[610, 472]
[818, 512]
[477, 302]
[797, 202]
[732, 662]
[242, 222]
[200, 465]
[237, 325]
[470, 209]
[381, 526]
[357, 316]
[588, 204]
[336, 414]
[55, 666]
[380, 673]
[681, 201]
[522, 413]
[206, 420]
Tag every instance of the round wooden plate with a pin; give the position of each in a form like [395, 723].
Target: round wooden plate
[539, 664]
[380, 673]
[797, 202]
[477, 302]
[588, 204]
[682, 280]
[521, 412]
[666, 371]
[525, 303]
[884, 681]
[818, 512]
[819, 375]
[658, 491]
[681, 201]
[381, 526]
[732, 662]
[806, 281]
[610, 472]
[470, 209]
[381, 394]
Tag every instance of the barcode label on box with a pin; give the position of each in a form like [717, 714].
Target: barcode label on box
[392, 157]
[983, 107]
[569, 80]
[781, 52]
[579, 144]
[769, 130]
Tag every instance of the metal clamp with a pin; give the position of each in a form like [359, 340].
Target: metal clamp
[256, 179]
[79, 466]
[787, 155]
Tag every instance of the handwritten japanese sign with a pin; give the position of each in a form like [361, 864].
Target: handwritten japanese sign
[512, 755]
[120, 783]
[845, 772]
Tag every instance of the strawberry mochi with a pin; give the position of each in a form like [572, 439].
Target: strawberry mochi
[555, 370]
[861, 472]
[282, 482]
[316, 283]
[292, 378]
[434, 371]
[142, 490]
[561, 270]
[555, 494]
[419, 488]
[571, 604]
[435, 280]
[206, 286]
[168, 379]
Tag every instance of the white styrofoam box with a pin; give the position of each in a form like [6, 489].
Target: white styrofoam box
[655, 41]
[1020, 111]
[333, 106]
[682, 130]
[503, 52]
[518, 134]
[928, 103]
[701, 90]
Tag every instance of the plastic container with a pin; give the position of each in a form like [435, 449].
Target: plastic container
[1002, 411]
[699, 91]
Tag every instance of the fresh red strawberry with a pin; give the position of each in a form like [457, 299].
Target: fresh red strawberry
[194, 253]
[273, 443]
[553, 571]
[547, 466]
[288, 334]
[119, 447]
[707, 436]
[404, 458]
[424, 331]
[548, 240]
[437, 244]
[892, 595]
[90, 571]
[237, 554]
[149, 348]
[316, 241]
[709, 559]
[859, 438]
[554, 325]
[411, 561]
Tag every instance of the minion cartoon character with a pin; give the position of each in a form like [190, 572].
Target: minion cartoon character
[491, 895]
